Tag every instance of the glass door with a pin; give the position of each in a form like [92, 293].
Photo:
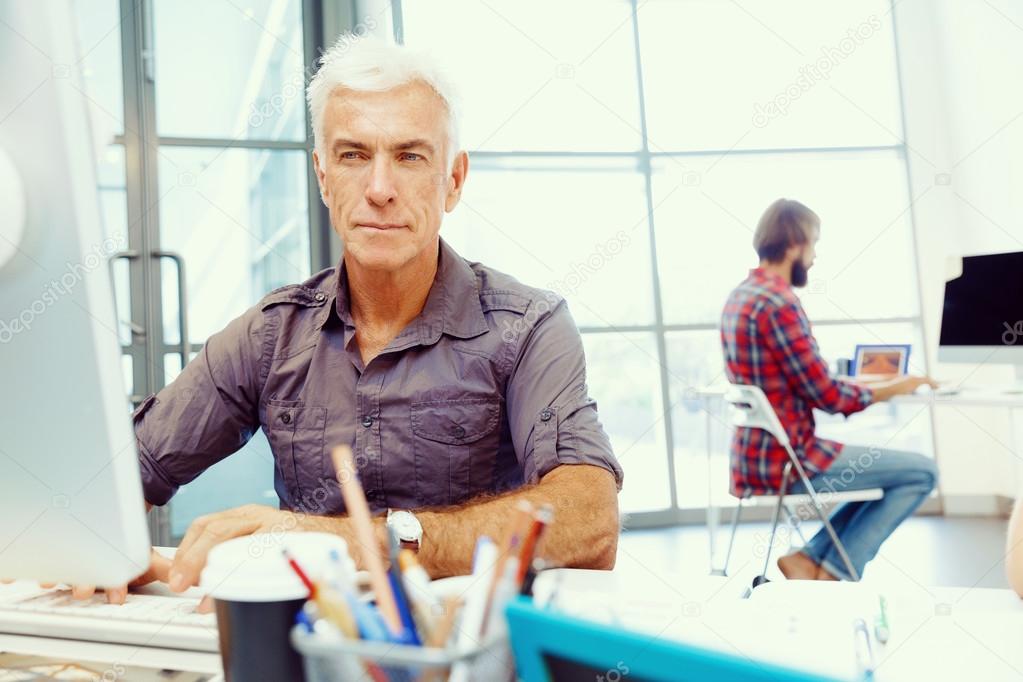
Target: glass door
[206, 186]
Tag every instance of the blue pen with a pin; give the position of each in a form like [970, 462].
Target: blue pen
[302, 619]
[409, 634]
[368, 619]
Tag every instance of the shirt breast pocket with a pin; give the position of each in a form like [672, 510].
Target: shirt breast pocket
[455, 445]
[295, 431]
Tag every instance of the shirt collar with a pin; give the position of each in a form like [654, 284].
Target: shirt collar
[765, 276]
[452, 307]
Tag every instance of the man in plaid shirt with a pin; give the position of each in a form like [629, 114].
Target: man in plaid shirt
[768, 343]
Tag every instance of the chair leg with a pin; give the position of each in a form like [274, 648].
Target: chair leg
[795, 523]
[853, 573]
[777, 515]
[731, 538]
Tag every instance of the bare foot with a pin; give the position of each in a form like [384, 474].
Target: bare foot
[798, 566]
[824, 574]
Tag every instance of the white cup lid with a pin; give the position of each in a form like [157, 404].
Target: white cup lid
[252, 568]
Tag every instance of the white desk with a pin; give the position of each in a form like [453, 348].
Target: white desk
[967, 397]
[936, 633]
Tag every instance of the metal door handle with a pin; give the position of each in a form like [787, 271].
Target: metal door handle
[185, 347]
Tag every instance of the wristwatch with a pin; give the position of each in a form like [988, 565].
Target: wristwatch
[407, 527]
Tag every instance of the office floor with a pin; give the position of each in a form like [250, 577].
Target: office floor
[926, 550]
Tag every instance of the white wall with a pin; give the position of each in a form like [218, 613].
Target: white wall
[962, 79]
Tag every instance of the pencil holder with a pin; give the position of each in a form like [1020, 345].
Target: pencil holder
[332, 658]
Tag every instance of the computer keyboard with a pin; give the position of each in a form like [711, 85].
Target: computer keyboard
[144, 619]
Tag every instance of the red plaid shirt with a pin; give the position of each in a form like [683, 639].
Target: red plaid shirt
[768, 343]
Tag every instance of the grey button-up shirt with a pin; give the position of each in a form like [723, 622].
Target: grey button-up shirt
[482, 392]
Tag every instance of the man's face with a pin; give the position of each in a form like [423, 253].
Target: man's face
[804, 261]
[385, 176]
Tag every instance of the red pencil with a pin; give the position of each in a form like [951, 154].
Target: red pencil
[300, 573]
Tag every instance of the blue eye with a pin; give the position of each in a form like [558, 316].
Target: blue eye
[411, 156]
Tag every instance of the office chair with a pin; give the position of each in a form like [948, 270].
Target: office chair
[751, 409]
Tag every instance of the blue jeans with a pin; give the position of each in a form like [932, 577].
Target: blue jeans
[907, 479]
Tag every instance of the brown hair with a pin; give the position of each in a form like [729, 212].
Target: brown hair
[785, 223]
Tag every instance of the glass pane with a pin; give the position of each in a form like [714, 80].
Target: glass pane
[243, 62]
[110, 178]
[706, 211]
[128, 368]
[246, 477]
[239, 219]
[695, 360]
[567, 71]
[577, 229]
[623, 377]
[792, 73]
[98, 24]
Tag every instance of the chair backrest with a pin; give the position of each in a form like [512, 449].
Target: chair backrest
[751, 409]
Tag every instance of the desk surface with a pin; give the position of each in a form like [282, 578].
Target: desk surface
[938, 633]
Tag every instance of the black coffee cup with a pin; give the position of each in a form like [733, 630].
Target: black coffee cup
[258, 595]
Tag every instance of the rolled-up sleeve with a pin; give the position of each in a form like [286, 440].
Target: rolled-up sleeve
[553, 419]
[790, 340]
[207, 413]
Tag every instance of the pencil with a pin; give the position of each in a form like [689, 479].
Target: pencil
[358, 512]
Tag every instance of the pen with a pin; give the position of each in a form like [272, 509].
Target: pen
[358, 512]
[515, 533]
[475, 604]
[864, 652]
[541, 520]
[408, 633]
[418, 588]
[507, 586]
[882, 630]
[300, 573]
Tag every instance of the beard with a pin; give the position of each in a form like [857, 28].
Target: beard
[799, 274]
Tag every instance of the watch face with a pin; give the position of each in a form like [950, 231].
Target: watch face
[406, 525]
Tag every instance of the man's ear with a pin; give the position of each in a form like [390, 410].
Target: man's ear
[320, 177]
[456, 180]
[794, 253]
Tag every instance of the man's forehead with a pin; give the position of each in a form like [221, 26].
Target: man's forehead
[407, 111]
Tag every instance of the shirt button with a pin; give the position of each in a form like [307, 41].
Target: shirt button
[320, 296]
[286, 417]
[546, 414]
[457, 431]
[367, 421]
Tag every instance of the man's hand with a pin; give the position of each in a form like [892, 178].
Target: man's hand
[159, 566]
[904, 385]
[208, 531]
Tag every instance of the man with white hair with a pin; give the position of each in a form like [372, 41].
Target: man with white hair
[402, 352]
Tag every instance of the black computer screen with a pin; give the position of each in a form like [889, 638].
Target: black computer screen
[984, 307]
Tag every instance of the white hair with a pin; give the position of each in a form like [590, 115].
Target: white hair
[364, 63]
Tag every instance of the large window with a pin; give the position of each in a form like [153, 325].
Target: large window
[621, 153]
[204, 103]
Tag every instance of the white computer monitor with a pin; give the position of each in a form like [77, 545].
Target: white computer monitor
[982, 316]
[71, 506]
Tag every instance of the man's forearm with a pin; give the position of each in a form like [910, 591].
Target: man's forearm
[584, 533]
[1014, 549]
